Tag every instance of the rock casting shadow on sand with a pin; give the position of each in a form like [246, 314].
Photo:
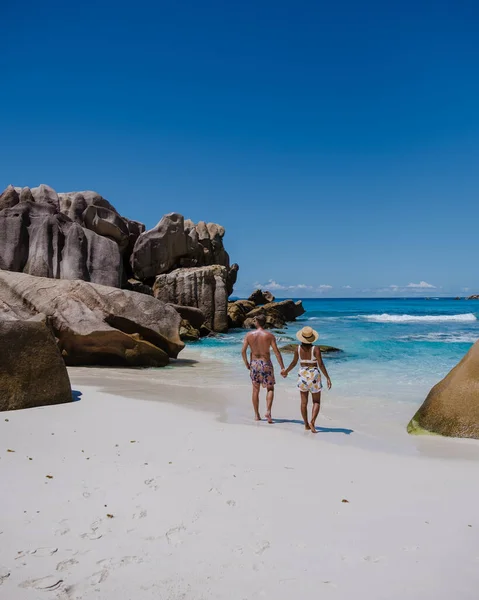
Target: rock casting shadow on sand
[319, 429]
[76, 395]
[183, 362]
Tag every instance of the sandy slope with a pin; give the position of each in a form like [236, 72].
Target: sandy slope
[151, 500]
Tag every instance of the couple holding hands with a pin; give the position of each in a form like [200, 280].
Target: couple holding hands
[260, 342]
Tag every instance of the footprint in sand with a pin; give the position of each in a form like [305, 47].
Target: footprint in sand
[38, 553]
[4, 574]
[140, 515]
[261, 547]
[64, 565]
[373, 559]
[63, 528]
[174, 535]
[94, 534]
[49, 583]
[153, 483]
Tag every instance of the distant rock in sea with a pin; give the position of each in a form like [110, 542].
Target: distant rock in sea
[452, 406]
[324, 349]
[474, 297]
[241, 313]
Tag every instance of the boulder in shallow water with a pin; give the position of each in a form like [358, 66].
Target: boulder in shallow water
[236, 315]
[95, 324]
[324, 349]
[32, 371]
[452, 406]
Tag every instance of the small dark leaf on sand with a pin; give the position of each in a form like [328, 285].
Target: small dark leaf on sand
[344, 500]
[170, 463]
[7, 420]
[10, 450]
[49, 476]
[30, 458]
[109, 516]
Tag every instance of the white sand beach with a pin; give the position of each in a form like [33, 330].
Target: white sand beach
[154, 484]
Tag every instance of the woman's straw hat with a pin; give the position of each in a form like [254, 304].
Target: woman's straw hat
[307, 335]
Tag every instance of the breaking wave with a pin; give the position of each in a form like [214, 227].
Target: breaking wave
[386, 318]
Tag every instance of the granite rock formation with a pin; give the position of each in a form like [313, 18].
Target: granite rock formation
[32, 371]
[290, 348]
[452, 406]
[81, 236]
[200, 287]
[95, 324]
[77, 235]
[260, 297]
[175, 243]
[242, 312]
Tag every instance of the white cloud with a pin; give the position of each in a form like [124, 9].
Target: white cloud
[325, 287]
[346, 287]
[421, 285]
[274, 285]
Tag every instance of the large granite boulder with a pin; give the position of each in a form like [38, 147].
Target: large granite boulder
[176, 243]
[194, 316]
[277, 313]
[452, 406]
[201, 287]
[32, 371]
[260, 297]
[68, 236]
[236, 315]
[95, 324]
[37, 240]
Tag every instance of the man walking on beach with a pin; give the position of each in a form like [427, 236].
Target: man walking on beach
[261, 368]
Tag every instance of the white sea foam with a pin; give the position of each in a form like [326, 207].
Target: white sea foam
[442, 338]
[386, 318]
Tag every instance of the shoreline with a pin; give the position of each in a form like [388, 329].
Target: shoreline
[224, 391]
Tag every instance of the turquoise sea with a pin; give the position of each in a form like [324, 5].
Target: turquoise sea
[393, 349]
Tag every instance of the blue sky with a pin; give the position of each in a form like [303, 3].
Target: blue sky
[338, 143]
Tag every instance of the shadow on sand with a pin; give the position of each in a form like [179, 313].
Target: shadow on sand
[319, 428]
[183, 362]
[76, 395]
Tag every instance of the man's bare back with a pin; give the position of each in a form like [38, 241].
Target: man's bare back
[260, 343]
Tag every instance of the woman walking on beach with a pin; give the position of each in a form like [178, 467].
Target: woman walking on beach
[309, 376]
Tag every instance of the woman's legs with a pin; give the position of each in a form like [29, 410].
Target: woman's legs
[304, 409]
[316, 407]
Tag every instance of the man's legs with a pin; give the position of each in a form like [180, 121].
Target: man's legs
[316, 407]
[304, 409]
[269, 402]
[255, 398]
